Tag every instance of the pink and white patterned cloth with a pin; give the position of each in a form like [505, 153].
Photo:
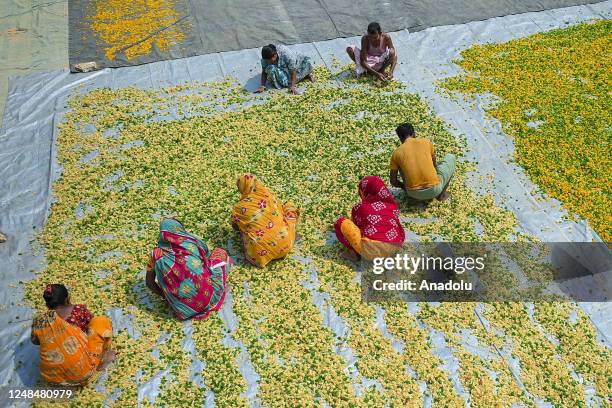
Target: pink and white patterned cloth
[376, 58]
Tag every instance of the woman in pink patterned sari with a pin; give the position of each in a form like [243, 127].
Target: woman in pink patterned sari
[183, 271]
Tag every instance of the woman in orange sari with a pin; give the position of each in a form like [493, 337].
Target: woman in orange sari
[267, 226]
[73, 344]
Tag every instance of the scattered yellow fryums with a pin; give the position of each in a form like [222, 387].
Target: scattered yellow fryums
[554, 101]
[578, 342]
[132, 28]
[123, 168]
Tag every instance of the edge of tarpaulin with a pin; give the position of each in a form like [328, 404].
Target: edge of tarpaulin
[57, 113]
[414, 28]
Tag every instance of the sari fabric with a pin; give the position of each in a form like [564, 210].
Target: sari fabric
[193, 279]
[374, 223]
[267, 226]
[80, 317]
[375, 58]
[279, 74]
[68, 356]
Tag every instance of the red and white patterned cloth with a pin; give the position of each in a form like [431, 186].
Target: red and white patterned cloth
[80, 317]
[377, 213]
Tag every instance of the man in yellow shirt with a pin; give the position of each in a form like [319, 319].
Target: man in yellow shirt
[422, 178]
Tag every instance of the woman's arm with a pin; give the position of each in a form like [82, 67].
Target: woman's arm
[394, 180]
[264, 79]
[393, 55]
[150, 281]
[292, 82]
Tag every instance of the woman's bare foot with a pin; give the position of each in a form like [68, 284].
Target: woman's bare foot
[444, 196]
[106, 359]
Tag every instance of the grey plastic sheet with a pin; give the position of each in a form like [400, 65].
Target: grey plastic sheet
[28, 167]
[214, 26]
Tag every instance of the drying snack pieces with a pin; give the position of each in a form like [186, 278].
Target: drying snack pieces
[553, 94]
[131, 156]
[134, 28]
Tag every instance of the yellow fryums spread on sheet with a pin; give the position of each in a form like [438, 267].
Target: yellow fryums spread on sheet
[554, 100]
[311, 149]
[133, 28]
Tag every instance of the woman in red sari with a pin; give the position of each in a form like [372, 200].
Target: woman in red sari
[374, 229]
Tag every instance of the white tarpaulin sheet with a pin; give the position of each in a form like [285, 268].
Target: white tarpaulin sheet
[37, 102]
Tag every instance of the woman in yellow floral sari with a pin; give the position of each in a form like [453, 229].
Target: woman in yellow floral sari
[267, 227]
[70, 351]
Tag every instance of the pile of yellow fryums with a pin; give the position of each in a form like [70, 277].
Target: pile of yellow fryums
[311, 149]
[133, 29]
[554, 100]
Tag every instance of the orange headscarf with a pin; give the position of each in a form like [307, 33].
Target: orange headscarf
[247, 183]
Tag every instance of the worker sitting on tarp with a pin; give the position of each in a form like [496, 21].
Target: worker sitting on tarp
[422, 177]
[377, 52]
[374, 229]
[284, 68]
[73, 343]
[191, 278]
[267, 226]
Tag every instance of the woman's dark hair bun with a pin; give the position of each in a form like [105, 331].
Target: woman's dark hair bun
[268, 51]
[55, 295]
